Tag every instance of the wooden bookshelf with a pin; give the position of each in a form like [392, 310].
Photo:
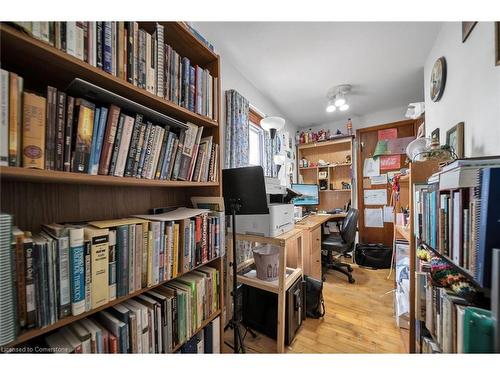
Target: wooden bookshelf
[336, 153]
[58, 177]
[32, 333]
[35, 197]
[29, 57]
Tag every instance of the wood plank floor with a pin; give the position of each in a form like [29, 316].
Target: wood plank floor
[359, 319]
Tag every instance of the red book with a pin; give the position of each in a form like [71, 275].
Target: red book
[113, 344]
[109, 139]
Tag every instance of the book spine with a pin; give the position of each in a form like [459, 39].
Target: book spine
[122, 260]
[100, 140]
[11, 100]
[112, 265]
[71, 38]
[131, 258]
[128, 125]
[135, 55]
[192, 88]
[138, 146]
[63, 36]
[141, 59]
[61, 123]
[68, 133]
[4, 119]
[107, 47]
[99, 44]
[144, 262]
[93, 147]
[79, 40]
[148, 149]
[64, 278]
[147, 133]
[150, 257]
[139, 237]
[31, 312]
[20, 280]
[116, 146]
[168, 149]
[109, 139]
[82, 138]
[34, 121]
[130, 51]
[50, 128]
[88, 275]
[77, 260]
[85, 28]
[134, 146]
[160, 69]
[99, 267]
[162, 153]
[173, 157]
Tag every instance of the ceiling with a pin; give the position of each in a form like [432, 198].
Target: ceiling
[295, 63]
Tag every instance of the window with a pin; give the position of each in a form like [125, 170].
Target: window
[255, 139]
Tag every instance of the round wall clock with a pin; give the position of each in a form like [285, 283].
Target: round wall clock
[438, 79]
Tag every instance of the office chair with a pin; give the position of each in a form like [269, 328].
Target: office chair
[340, 244]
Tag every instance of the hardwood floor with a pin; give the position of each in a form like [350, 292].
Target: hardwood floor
[359, 319]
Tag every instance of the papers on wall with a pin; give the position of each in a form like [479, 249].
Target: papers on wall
[387, 134]
[388, 214]
[367, 184]
[395, 146]
[371, 167]
[390, 162]
[375, 196]
[379, 180]
[373, 218]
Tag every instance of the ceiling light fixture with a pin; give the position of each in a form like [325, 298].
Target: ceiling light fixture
[330, 107]
[337, 98]
[272, 124]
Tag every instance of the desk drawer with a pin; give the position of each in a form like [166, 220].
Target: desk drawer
[315, 253]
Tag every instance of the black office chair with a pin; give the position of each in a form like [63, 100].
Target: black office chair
[336, 245]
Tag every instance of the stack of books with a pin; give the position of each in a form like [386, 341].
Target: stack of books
[137, 56]
[163, 320]
[458, 215]
[63, 133]
[69, 269]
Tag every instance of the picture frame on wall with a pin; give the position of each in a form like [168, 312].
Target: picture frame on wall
[467, 27]
[435, 137]
[497, 43]
[455, 139]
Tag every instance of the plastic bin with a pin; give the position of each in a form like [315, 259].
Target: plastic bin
[266, 259]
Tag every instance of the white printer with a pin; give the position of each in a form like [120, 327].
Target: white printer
[278, 221]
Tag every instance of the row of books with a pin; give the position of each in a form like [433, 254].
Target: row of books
[64, 133]
[461, 221]
[137, 56]
[166, 319]
[451, 322]
[69, 269]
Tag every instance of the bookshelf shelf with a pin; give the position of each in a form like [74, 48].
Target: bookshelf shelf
[30, 334]
[59, 67]
[46, 176]
[345, 139]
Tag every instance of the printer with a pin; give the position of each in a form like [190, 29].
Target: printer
[280, 217]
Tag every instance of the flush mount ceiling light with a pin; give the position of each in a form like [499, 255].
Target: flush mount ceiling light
[272, 124]
[337, 98]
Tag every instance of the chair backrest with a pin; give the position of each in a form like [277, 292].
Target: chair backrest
[348, 231]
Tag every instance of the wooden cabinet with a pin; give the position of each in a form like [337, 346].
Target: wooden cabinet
[315, 253]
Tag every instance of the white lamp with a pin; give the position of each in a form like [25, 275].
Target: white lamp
[272, 124]
[344, 107]
[340, 101]
[330, 107]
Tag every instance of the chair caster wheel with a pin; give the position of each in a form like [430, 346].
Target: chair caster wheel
[351, 280]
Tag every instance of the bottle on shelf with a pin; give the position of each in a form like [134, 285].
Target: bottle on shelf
[349, 126]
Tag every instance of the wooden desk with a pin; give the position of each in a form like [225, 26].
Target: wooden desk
[289, 242]
[311, 227]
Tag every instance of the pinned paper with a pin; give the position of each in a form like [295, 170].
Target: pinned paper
[371, 167]
[379, 180]
[388, 214]
[390, 162]
[367, 184]
[373, 218]
[375, 196]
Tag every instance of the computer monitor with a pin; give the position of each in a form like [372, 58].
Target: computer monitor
[310, 194]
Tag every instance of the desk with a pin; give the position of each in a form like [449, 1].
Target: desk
[289, 242]
[311, 227]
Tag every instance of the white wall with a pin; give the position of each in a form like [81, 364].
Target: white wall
[472, 91]
[363, 121]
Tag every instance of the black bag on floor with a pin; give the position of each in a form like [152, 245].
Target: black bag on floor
[315, 305]
[374, 256]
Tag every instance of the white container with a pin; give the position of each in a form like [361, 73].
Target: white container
[266, 259]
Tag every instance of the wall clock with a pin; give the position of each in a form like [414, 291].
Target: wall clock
[438, 79]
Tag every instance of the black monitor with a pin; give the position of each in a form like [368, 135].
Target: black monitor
[310, 194]
[247, 186]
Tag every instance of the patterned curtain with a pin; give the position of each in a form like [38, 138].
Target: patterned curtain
[271, 148]
[236, 150]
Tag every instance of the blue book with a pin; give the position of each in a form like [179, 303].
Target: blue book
[94, 140]
[77, 268]
[488, 223]
[100, 139]
[121, 260]
[192, 88]
[107, 47]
